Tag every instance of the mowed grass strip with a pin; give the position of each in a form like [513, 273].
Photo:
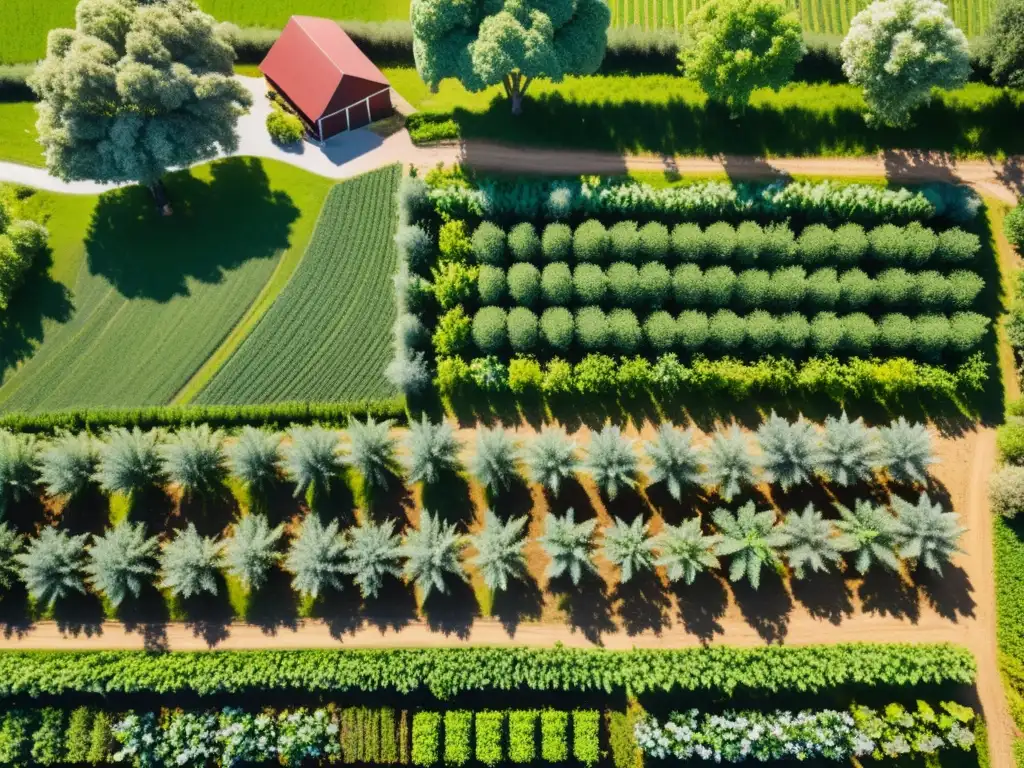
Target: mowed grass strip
[327, 337]
[154, 297]
[18, 134]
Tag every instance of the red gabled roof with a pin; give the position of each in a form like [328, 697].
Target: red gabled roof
[310, 61]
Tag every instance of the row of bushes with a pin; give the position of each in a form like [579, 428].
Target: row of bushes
[590, 329]
[747, 244]
[653, 286]
[53, 736]
[446, 672]
[492, 737]
[668, 377]
[506, 201]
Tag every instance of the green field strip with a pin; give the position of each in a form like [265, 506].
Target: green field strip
[327, 336]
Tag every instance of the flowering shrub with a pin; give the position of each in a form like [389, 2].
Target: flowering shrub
[829, 734]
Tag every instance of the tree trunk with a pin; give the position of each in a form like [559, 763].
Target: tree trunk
[159, 192]
[515, 86]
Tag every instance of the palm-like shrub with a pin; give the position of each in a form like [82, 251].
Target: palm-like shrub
[252, 550]
[499, 548]
[373, 553]
[611, 461]
[128, 461]
[311, 461]
[629, 546]
[811, 542]
[789, 450]
[193, 459]
[570, 545]
[10, 545]
[433, 451]
[373, 451]
[18, 456]
[51, 565]
[316, 558]
[674, 459]
[433, 552]
[751, 539]
[189, 563]
[254, 458]
[67, 465]
[122, 561]
[495, 462]
[550, 458]
[869, 534]
[906, 451]
[928, 535]
[729, 465]
[685, 551]
[849, 450]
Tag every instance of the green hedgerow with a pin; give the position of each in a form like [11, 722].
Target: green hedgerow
[931, 335]
[595, 374]
[793, 331]
[554, 736]
[490, 284]
[726, 331]
[458, 724]
[896, 333]
[589, 284]
[524, 284]
[1013, 227]
[779, 246]
[453, 331]
[827, 332]
[859, 334]
[556, 328]
[1010, 442]
[762, 332]
[624, 284]
[921, 243]
[958, 247]
[624, 242]
[966, 330]
[426, 738]
[753, 288]
[557, 377]
[556, 242]
[851, 244]
[816, 245]
[655, 285]
[490, 332]
[522, 329]
[895, 287]
[692, 329]
[932, 291]
[523, 242]
[592, 330]
[688, 285]
[586, 741]
[625, 332]
[452, 375]
[719, 286]
[823, 289]
[687, 242]
[889, 245]
[856, 290]
[489, 244]
[634, 375]
[556, 284]
[522, 739]
[749, 243]
[489, 726]
[788, 287]
[654, 242]
[964, 288]
[525, 375]
[454, 283]
[453, 242]
[590, 242]
[719, 241]
[660, 331]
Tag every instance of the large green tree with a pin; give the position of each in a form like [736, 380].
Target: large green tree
[736, 46]
[898, 51]
[511, 42]
[134, 89]
[1003, 49]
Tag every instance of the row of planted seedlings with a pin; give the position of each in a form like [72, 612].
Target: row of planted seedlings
[481, 299]
[322, 554]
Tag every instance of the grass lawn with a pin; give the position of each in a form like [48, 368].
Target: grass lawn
[134, 304]
[18, 133]
[327, 337]
[667, 114]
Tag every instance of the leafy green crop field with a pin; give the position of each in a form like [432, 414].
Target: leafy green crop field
[134, 303]
[327, 337]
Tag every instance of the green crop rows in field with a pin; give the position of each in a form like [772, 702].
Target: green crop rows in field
[327, 337]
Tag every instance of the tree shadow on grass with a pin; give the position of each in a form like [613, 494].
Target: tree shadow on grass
[642, 604]
[586, 604]
[207, 615]
[274, 605]
[450, 498]
[154, 508]
[393, 608]
[211, 513]
[341, 609]
[452, 612]
[702, 605]
[390, 502]
[148, 615]
[86, 512]
[15, 610]
[522, 601]
[79, 614]
[825, 595]
[512, 502]
[766, 608]
[217, 225]
[26, 514]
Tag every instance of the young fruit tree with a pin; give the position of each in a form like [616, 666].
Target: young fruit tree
[871, 535]
[122, 561]
[129, 461]
[499, 548]
[736, 46]
[374, 551]
[898, 51]
[674, 460]
[134, 89]
[508, 42]
[433, 552]
[751, 539]
[51, 565]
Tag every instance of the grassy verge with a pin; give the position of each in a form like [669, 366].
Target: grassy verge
[670, 115]
[18, 134]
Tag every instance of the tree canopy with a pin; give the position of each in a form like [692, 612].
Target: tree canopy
[134, 89]
[1003, 50]
[512, 42]
[738, 45]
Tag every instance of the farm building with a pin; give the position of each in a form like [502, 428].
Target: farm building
[332, 85]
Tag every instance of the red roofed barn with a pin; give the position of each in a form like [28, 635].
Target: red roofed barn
[330, 82]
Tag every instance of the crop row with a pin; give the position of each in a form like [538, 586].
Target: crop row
[493, 331]
[446, 672]
[748, 244]
[653, 286]
[666, 377]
